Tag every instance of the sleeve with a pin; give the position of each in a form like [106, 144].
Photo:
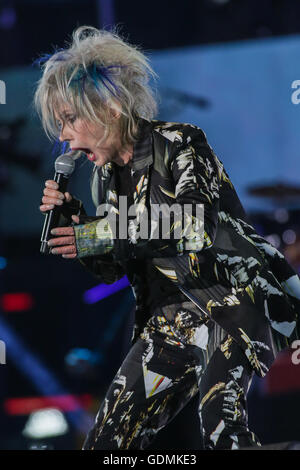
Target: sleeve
[104, 268]
[98, 262]
[192, 221]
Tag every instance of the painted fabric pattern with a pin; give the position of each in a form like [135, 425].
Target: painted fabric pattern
[219, 273]
[178, 354]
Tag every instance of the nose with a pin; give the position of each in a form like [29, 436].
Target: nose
[64, 134]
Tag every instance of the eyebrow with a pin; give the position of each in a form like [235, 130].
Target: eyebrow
[65, 114]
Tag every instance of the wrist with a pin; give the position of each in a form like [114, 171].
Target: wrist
[94, 238]
[72, 207]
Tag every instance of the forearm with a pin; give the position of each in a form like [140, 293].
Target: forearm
[150, 237]
[93, 238]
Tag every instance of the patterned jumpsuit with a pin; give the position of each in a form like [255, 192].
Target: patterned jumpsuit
[181, 349]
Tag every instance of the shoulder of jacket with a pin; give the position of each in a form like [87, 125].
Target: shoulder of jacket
[178, 133]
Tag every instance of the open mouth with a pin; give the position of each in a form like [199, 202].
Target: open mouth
[90, 155]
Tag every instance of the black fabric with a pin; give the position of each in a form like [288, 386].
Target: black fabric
[168, 364]
[124, 183]
[231, 269]
[157, 290]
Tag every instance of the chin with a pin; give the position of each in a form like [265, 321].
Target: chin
[100, 161]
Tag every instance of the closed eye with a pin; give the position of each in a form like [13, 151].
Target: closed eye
[71, 119]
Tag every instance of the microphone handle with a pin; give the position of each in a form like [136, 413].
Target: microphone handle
[52, 216]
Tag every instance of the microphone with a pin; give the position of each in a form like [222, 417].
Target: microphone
[64, 167]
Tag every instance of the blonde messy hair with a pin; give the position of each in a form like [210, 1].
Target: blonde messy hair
[97, 73]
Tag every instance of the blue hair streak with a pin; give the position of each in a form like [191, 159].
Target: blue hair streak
[99, 76]
[61, 55]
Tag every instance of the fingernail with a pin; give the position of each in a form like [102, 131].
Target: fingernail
[50, 243]
[54, 251]
[59, 202]
[53, 231]
[50, 206]
[61, 196]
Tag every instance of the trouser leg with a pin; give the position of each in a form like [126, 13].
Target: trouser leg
[223, 387]
[177, 353]
[153, 384]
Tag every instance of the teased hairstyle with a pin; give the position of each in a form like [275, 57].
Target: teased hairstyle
[98, 72]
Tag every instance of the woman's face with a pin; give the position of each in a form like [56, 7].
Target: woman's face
[83, 135]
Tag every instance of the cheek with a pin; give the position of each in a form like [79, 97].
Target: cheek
[90, 136]
[82, 129]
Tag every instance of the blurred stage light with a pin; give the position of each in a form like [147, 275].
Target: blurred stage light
[283, 376]
[220, 2]
[3, 262]
[45, 423]
[16, 302]
[289, 237]
[27, 405]
[76, 355]
[274, 239]
[40, 377]
[8, 18]
[281, 216]
[83, 362]
[101, 291]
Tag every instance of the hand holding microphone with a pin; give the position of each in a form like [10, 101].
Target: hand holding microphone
[55, 196]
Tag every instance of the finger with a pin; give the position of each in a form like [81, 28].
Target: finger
[68, 197]
[75, 219]
[58, 231]
[64, 250]
[53, 193]
[50, 200]
[61, 241]
[70, 256]
[51, 184]
[46, 207]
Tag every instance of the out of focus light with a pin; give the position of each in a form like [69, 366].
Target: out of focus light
[104, 290]
[45, 423]
[16, 302]
[42, 379]
[220, 2]
[274, 239]
[27, 405]
[283, 377]
[81, 354]
[7, 18]
[281, 215]
[3, 262]
[289, 237]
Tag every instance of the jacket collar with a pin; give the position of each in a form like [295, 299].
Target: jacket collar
[103, 181]
[142, 149]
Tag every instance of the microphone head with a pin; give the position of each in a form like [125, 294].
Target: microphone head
[65, 163]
